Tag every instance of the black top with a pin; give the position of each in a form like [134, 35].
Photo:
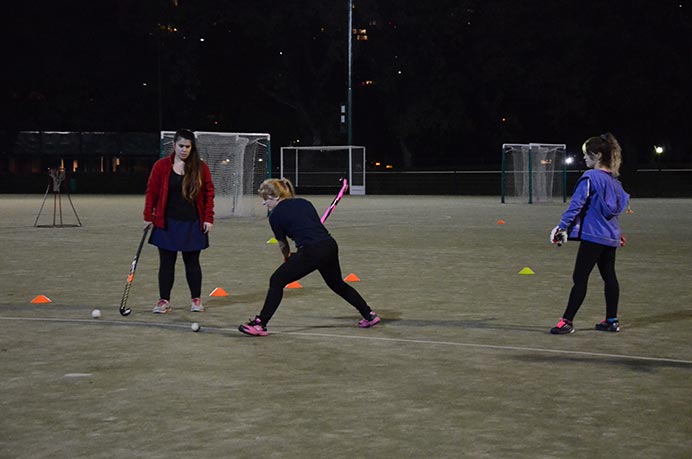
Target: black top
[177, 207]
[297, 218]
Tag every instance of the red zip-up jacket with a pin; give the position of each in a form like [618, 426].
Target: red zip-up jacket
[156, 195]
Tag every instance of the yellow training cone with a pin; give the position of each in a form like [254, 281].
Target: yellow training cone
[272, 241]
[526, 270]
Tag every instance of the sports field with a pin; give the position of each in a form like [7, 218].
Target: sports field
[461, 366]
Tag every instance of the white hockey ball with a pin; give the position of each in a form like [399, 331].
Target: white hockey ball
[96, 313]
[195, 327]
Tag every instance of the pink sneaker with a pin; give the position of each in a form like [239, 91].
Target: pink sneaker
[196, 305]
[254, 328]
[162, 307]
[367, 323]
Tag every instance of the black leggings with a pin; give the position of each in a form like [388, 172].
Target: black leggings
[590, 254]
[193, 273]
[322, 257]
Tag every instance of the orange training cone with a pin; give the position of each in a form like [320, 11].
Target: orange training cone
[500, 222]
[218, 291]
[41, 299]
[352, 278]
[295, 284]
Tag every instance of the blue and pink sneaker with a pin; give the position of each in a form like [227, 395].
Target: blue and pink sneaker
[612, 325]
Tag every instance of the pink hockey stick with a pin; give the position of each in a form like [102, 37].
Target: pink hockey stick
[336, 200]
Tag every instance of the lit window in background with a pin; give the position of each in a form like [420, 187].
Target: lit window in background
[361, 34]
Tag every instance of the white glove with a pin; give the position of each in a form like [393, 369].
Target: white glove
[558, 236]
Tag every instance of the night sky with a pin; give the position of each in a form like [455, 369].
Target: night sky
[436, 84]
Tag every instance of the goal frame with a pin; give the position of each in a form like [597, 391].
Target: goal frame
[242, 202]
[356, 164]
[529, 174]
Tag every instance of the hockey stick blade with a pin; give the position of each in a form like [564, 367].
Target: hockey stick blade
[124, 310]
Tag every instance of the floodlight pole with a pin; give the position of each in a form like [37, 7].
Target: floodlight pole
[349, 101]
[159, 90]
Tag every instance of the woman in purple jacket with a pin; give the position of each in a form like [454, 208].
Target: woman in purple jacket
[592, 218]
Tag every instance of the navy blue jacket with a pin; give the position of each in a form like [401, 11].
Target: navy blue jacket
[297, 218]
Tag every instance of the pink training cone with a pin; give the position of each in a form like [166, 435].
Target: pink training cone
[41, 299]
[218, 291]
[352, 278]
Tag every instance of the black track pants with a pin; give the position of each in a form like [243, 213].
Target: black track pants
[589, 255]
[322, 257]
[193, 273]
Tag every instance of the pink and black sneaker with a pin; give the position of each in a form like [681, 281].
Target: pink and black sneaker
[254, 328]
[369, 322]
[563, 327]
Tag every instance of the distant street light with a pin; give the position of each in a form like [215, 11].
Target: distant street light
[349, 89]
[659, 150]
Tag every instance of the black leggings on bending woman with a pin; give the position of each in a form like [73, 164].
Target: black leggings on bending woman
[322, 257]
[589, 255]
[193, 273]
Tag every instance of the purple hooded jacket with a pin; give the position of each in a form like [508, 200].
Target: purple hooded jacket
[593, 212]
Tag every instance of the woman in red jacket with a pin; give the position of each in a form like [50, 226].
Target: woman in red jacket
[179, 203]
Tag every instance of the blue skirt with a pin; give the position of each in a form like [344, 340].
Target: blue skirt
[179, 236]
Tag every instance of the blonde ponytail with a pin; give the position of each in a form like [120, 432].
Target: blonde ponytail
[277, 188]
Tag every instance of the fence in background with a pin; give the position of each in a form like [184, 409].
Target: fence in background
[641, 183]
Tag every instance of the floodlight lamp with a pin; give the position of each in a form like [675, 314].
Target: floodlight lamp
[569, 160]
[658, 149]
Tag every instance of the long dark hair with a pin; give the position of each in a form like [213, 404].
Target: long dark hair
[609, 148]
[192, 182]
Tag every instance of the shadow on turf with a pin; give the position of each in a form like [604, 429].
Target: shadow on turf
[481, 324]
[659, 318]
[632, 363]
